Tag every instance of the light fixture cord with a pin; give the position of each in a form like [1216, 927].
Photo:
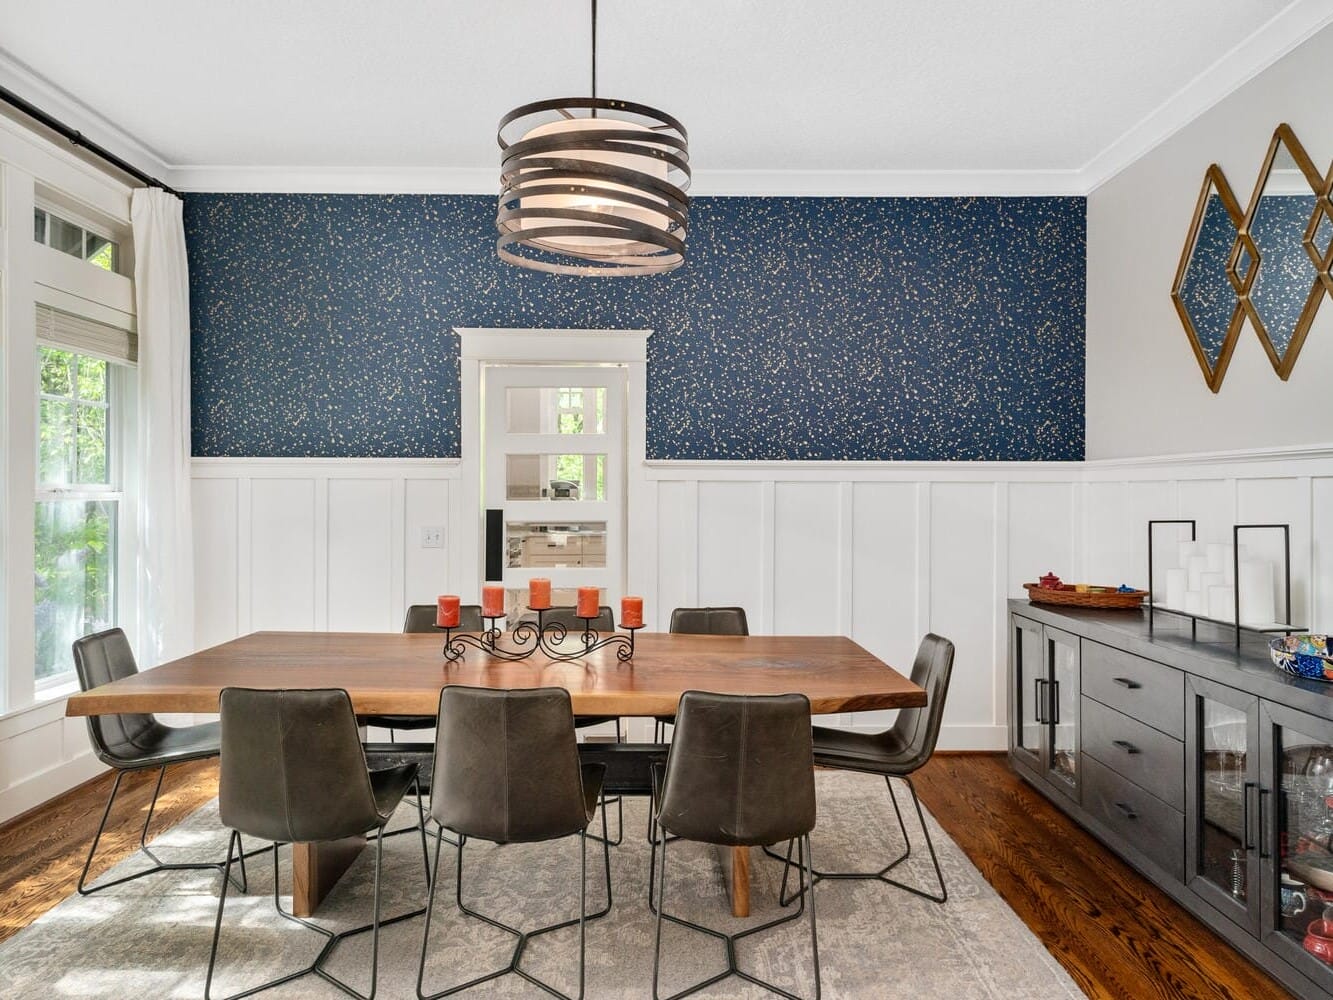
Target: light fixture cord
[594, 54]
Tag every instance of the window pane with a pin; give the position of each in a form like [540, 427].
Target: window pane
[537, 410]
[66, 237]
[90, 445]
[75, 551]
[55, 449]
[92, 378]
[535, 545]
[57, 369]
[101, 252]
[39, 225]
[555, 477]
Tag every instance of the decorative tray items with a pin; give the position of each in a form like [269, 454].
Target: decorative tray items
[1303, 656]
[1050, 589]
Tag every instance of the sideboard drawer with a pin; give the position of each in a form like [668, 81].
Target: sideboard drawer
[1144, 822]
[1142, 689]
[1150, 759]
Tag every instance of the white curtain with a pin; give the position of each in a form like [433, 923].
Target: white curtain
[165, 539]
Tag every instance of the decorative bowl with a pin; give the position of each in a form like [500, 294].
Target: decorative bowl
[1303, 656]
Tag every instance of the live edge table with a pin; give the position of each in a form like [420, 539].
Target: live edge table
[402, 674]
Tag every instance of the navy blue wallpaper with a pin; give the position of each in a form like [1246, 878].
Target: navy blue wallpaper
[799, 328]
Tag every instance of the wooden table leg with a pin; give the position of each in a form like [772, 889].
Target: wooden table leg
[316, 869]
[736, 873]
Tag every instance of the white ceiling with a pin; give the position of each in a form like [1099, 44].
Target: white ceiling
[1025, 86]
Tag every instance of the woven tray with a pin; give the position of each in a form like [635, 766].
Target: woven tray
[1073, 598]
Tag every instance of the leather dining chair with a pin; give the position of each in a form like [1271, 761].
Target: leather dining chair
[136, 742]
[700, 621]
[896, 753]
[740, 773]
[293, 772]
[524, 783]
[420, 618]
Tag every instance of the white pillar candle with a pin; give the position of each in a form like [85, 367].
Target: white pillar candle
[1198, 566]
[1175, 589]
[1222, 603]
[1194, 603]
[1219, 557]
[1258, 604]
[1185, 551]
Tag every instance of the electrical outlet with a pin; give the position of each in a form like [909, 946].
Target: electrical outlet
[432, 537]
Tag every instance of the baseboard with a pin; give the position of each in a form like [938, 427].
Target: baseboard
[46, 785]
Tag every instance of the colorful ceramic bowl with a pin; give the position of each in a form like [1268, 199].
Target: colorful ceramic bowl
[1303, 656]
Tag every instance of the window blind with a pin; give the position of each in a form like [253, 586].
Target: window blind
[86, 336]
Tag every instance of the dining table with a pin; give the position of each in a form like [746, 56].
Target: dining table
[403, 673]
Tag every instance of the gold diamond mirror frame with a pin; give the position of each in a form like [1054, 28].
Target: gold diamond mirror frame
[1245, 261]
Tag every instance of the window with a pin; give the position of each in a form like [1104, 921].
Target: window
[77, 241]
[78, 505]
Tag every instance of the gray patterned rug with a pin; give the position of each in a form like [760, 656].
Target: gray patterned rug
[150, 938]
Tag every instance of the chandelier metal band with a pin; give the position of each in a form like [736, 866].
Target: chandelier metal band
[588, 194]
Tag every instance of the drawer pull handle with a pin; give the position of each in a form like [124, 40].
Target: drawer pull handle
[1126, 682]
[1125, 745]
[1125, 810]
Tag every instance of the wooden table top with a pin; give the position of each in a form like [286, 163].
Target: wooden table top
[402, 674]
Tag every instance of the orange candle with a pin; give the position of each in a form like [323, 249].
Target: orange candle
[446, 611]
[492, 601]
[631, 612]
[539, 593]
[589, 602]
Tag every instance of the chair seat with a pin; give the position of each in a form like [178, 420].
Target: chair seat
[875, 753]
[669, 720]
[397, 721]
[389, 786]
[160, 744]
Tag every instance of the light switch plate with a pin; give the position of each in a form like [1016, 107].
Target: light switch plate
[432, 537]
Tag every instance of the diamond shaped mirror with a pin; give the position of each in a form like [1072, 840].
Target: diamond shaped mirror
[1283, 288]
[1202, 292]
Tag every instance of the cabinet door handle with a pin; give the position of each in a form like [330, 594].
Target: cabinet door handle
[1037, 700]
[1246, 842]
[1125, 810]
[1054, 703]
[1127, 683]
[1263, 852]
[1125, 745]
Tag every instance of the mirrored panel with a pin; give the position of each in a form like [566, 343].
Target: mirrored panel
[555, 477]
[548, 545]
[1203, 292]
[555, 409]
[1286, 288]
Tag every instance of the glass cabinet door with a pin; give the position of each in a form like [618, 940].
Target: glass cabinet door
[1222, 799]
[1297, 840]
[1062, 705]
[1027, 692]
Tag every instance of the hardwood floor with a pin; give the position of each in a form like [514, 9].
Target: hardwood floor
[1117, 935]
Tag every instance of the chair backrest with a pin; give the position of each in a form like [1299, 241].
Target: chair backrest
[710, 621]
[740, 769]
[919, 728]
[421, 618]
[507, 765]
[604, 622]
[99, 659]
[292, 766]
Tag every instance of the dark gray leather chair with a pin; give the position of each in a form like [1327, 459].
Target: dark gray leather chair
[522, 783]
[895, 753]
[293, 772]
[740, 773]
[420, 618]
[701, 621]
[136, 742]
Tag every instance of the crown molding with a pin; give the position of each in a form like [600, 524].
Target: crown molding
[224, 179]
[1287, 30]
[22, 80]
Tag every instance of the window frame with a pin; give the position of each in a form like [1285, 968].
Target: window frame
[88, 228]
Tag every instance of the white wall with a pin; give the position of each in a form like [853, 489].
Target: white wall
[1145, 392]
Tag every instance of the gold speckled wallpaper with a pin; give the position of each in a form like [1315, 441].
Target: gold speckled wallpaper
[798, 328]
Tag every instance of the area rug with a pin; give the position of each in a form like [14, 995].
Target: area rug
[150, 938]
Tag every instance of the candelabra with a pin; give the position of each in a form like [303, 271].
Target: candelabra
[529, 637]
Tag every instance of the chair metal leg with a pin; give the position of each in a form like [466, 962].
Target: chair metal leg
[331, 941]
[619, 801]
[729, 940]
[158, 864]
[882, 874]
[523, 937]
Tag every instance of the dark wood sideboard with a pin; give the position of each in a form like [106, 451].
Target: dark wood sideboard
[1202, 765]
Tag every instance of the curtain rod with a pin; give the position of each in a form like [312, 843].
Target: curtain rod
[77, 138]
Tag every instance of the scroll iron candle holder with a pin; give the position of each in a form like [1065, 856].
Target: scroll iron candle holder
[545, 636]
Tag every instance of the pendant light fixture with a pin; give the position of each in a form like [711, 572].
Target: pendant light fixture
[592, 186]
